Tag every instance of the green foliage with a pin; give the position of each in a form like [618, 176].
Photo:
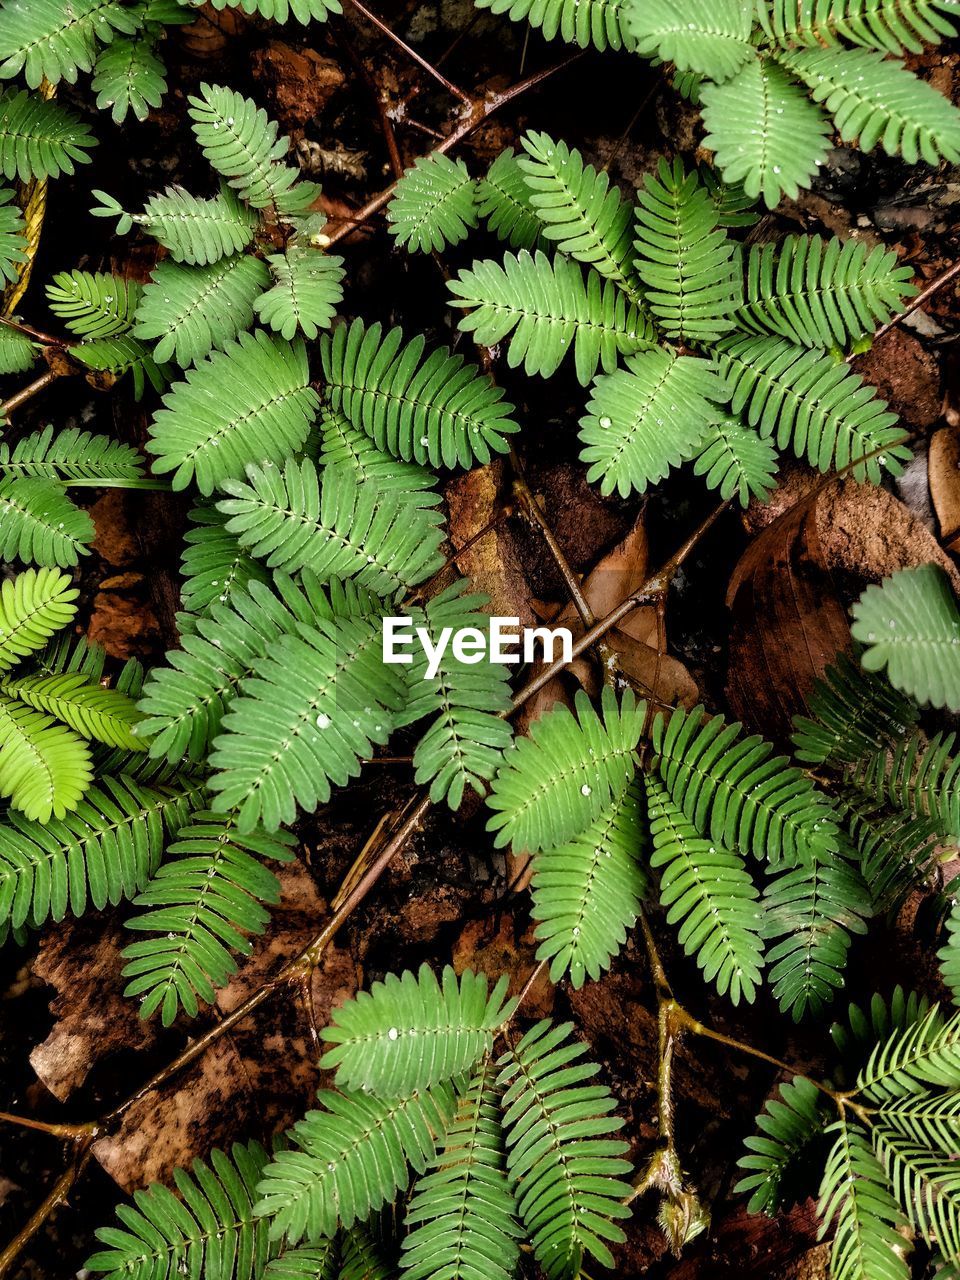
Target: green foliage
[464, 1207]
[781, 1156]
[75, 458]
[949, 953]
[464, 745]
[53, 41]
[549, 309]
[241, 143]
[578, 208]
[378, 1036]
[190, 310]
[896, 851]
[203, 903]
[314, 709]
[564, 1163]
[352, 1157]
[44, 768]
[33, 607]
[807, 401]
[104, 851]
[587, 893]
[560, 779]
[764, 131]
[890, 25]
[343, 444]
[503, 200]
[129, 76]
[213, 564]
[820, 292]
[738, 792]
[192, 230]
[251, 402]
[40, 525]
[918, 776]
[13, 242]
[434, 204]
[439, 410]
[599, 23]
[736, 460]
[101, 715]
[305, 292]
[685, 258]
[853, 713]
[647, 418]
[93, 304]
[39, 138]
[875, 100]
[208, 1232]
[17, 351]
[339, 528]
[854, 1192]
[708, 892]
[926, 1052]
[280, 10]
[711, 37]
[810, 911]
[910, 625]
[118, 356]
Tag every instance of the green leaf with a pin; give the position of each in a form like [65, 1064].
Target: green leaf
[410, 1033]
[912, 1059]
[764, 131]
[194, 231]
[918, 776]
[94, 304]
[99, 714]
[34, 605]
[736, 460]
[39, 138]
[686, 260]
[75, 458]
[305, 294]
[280, 10]
[578, 208]
[190, 310]
[503, 200]
[434, 204]
[203, 903]
[926, 1183]
[464, 1207]
[874, 99]
[208, 1231]
[856, 1195]
[251, 402]
[708, 36]
[558, 781]
[807, 401]
[599, 23]
[853, 712]
[707, 891]
[890, 25]
[39, 523]
[822, 293]
[911, 626]
[17, 352]
[52, 41]
[129, 76]
[339, 529]
[344, 445]
[13, 242]
[439, 410]
[643, 420]
[241, 143]
[587, 894]
[736, 790]
[44, 767]
[780, 1158]
[566, 1166]
[549, 309]
[351, 1157]
[213, 564]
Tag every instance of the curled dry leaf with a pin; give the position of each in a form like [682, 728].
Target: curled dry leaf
[943, 473]
[253, 1080]
[791, 590]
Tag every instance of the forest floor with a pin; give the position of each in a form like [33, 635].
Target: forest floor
[745, 633]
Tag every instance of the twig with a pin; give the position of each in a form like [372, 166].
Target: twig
[412, 53]
[27, 393]
[37, 335]
[924, 296]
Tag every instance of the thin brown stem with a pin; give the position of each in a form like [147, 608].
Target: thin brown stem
[37, 335]
[923, 296]
[412, 53]
[54, 1198]
[21, 397]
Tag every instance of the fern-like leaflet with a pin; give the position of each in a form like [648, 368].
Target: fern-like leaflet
[305, 292]
[434, 204]
[39, 138]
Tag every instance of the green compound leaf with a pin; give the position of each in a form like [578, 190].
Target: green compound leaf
[600, 23]
[736, 460]
[434, 204]
[129, 76]
[711, 37]
[305, 293]
[93, 304]
[503, 200]
[44, 767]
[647, 418]
[250, 403]
[52, 41]
[34, 606]
[559, 780]
[409, 1033]
[911, 626]
[194, 231]
[39, 523]
[764, 131]
[39, 138]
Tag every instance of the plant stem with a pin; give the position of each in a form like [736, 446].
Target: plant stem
[412, 53]
[27, 393]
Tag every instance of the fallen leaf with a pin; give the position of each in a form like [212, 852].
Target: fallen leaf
[943, 474]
